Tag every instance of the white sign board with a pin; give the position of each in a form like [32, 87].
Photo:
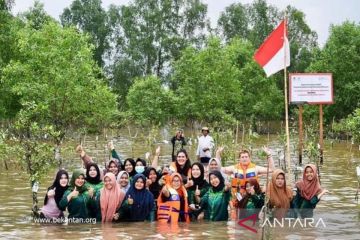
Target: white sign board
[311, 88]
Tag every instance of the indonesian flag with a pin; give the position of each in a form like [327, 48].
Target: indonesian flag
[275, 51]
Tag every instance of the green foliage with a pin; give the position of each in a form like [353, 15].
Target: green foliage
[234, 22]
[149, 34]
[6, 5]
[311, 141]
[350, 125]
[226, 138]
[223, 83]
[54, 69]
[340, 56]
[8, 28]
[208, 83]
[4, 149]
[149, 102]
[31, 145]
[36, 17]
[255, 22]
[91, 18]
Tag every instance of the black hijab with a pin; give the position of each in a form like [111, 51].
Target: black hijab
[132, 162]
[59, 191]
[96, 179]
[221, 185]
[154, 187]
[200, 181]
[142, 161]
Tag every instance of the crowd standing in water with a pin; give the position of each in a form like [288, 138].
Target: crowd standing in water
[130, 190]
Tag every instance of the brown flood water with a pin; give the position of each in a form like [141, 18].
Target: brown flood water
[338, 210]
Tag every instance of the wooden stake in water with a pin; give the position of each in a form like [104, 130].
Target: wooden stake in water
[300, 133]
[288, 160]
[236, 137]
[321, 137]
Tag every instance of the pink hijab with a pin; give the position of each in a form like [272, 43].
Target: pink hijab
[110, 200]
[309, 189]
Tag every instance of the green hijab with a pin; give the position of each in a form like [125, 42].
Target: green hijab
[74, 176]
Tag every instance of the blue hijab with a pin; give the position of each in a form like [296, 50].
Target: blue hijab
[143, 200]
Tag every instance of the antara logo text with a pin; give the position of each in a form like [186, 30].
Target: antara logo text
[284, 222]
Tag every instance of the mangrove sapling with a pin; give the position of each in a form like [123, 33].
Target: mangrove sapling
[34, 152]
[4, 148]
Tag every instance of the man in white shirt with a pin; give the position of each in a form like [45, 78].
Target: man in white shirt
[205, 147]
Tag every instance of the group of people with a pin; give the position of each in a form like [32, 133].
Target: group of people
[132, 190]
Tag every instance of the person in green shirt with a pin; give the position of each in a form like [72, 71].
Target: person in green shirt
[93, 177]
[196, 185]
[308, 192]
[94, 182]
[76, 198]
[215, 202]
[253, 200]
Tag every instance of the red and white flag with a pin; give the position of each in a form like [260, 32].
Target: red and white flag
[274, 54]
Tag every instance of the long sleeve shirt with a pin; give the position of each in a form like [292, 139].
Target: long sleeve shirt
[205, 142]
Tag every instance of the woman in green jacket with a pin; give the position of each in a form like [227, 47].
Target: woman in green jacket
[308, 192]
[76, 198]
[215, 202]
[196, 185]
[253, 200]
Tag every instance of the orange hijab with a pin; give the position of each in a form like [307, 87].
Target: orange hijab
[110, 200]
[181, 190]
[308, 189]
[279, 197]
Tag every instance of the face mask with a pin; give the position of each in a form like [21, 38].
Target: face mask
[139, 169]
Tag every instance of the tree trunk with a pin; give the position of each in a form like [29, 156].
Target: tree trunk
[6, 166]
[57, 153]
[35, 208]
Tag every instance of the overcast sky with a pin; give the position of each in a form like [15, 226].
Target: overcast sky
[319, 13]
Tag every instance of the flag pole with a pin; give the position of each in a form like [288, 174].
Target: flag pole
[288, 160]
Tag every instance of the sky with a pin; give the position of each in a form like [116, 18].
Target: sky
[319, 14]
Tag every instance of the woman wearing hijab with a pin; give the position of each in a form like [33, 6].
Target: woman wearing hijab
[196, 186]
[308, 192]
[93, 181]
[253, 200]
[108, 200]
[152, 183]
[280, 195]
[215, 164]
[138, 201]
[140, 166]
[129, 166]
[76, 197]
[124, 181]
[173, 201]
[215, 202]
[93, 177]
[112, 166]
[51, 208]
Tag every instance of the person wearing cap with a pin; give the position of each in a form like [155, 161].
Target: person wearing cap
[178, 143]
[205, 146]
